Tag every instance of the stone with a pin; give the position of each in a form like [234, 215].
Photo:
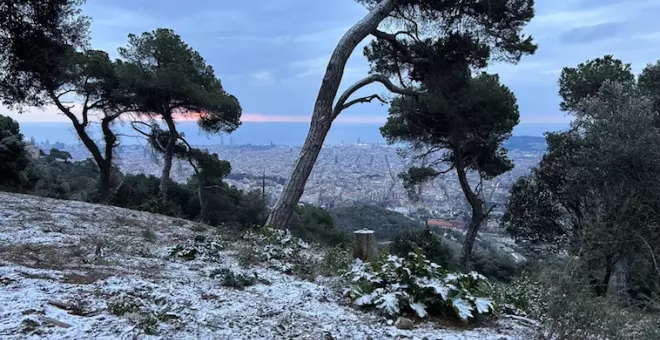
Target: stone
[403, 323]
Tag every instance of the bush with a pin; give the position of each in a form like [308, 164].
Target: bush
[280, 250]
[431, 245]
[568, 309]
[239, 281]
[336, 261]
[521, 296]
[313, 224]
[13, 154]
[495, 265]
[201, 247]
[413, 284]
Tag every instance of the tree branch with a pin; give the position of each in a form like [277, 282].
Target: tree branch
[366, 99]
[397, 45]
[372, 78]
[64, 93]
[85, 110]
[66, 110]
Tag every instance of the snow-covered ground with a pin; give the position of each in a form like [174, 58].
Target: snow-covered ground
[67, 267]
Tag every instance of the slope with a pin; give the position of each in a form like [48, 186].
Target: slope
[72, 270]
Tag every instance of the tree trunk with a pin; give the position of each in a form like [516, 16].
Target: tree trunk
[105, 168]
[366, 248]
[168, 157]
[322, 114]
[478, 214]
[471, 235]
[105, 181]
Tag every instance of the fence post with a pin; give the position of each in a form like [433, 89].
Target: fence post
[366, 248]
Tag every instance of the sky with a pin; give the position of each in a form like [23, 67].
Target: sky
[271, 54]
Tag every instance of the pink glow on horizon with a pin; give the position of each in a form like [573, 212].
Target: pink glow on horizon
[51, 114]
[260, 118]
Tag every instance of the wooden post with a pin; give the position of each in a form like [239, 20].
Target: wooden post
[366, 248]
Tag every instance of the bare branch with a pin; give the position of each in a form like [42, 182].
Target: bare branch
[366, 99]
[64, 93]
[133, 125]
[372, 78]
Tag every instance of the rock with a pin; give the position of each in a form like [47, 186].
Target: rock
[390, 322]
[403, 323]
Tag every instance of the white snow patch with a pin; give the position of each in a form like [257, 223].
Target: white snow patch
[48, 252]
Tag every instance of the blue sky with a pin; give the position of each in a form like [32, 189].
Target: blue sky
[271, 53]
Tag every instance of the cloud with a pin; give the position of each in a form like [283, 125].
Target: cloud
[263, 78]
[594, 33]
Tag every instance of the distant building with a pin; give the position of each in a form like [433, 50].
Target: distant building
[445, 224]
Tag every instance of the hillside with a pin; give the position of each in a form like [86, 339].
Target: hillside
[81, 271]
[385, 223]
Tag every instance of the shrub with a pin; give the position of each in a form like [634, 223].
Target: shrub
[280, 250]
[140, 310]
[336, 260]
[313, 224]
[571, 311]
[431, 245]
[495, 265]
[238, 281]
[521, 296]
[201, 247]
[13, 154]
[568, 309]
[397, 285]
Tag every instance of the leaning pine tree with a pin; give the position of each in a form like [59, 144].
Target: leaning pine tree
[429, 30]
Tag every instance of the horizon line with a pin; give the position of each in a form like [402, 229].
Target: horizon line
[50, 115]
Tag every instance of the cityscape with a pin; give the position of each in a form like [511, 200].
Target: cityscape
[344, 175]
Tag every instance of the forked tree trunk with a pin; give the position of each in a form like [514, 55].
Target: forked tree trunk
[168, 157]
[478, 215]
[322, 114]
[471, 235]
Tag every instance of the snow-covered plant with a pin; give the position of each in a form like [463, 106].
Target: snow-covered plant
[199, 248]
[143, 312]
[522, 296]
[397, 285]
[277, 248]
[229, 278]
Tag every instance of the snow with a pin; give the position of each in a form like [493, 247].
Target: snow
[92, 257]
[363, 231]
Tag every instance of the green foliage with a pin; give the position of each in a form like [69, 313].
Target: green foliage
[200, 248]
[335, 261]
[161, 62]
[279, 249]
[495, 265]
[385, 223]
[313, 224]
[35, 38]
[413, 284]
[431, 245]
[141, 192]
[470, 124]
[239, 281]
[13, 154]
[521, 296]
[585, 80]
[142, 309]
